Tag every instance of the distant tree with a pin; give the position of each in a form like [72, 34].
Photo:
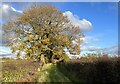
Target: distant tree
[42, 33]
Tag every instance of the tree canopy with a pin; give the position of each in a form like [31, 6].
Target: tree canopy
[42, 33]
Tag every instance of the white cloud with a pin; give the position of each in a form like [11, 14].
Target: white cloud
[112, 50]
[8, 12]
[16, 10]
[90, 48]
[89, 39]
[83, 24]
[1, 33]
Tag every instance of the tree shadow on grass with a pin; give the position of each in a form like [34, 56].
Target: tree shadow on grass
[102, 71]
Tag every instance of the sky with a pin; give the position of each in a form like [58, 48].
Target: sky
[98, 20]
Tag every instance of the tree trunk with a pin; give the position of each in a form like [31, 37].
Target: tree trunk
[42, 60]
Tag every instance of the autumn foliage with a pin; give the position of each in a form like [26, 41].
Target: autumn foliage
[42, 33]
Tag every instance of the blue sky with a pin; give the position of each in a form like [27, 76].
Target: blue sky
[103, 16]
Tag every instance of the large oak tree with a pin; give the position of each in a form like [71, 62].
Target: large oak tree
[42, 33]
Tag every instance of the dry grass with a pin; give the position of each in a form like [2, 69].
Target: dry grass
[19, 70]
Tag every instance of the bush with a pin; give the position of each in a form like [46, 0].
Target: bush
[90, 70]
